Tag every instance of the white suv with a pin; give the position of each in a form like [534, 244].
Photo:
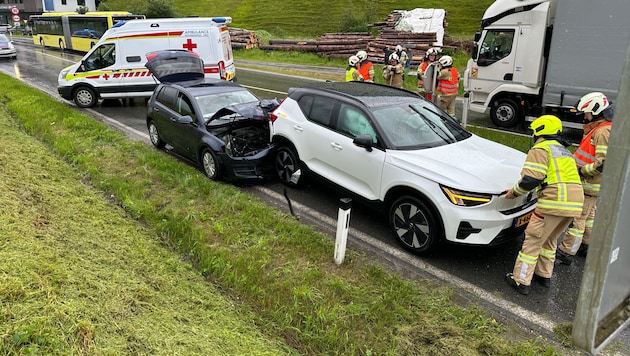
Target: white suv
[435, 180]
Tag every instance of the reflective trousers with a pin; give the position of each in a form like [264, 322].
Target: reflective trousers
[580, 232]
[447, 103]
[539, 247]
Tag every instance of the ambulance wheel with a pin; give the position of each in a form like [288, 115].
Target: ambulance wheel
[85, 97]
[154, 135]
[210, 164]
[505, 113]
[414, 225]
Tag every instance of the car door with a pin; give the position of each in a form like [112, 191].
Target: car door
[186, 134]
[164, 113]
[356, 168]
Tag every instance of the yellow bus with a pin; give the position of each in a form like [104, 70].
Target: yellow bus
[71, 30]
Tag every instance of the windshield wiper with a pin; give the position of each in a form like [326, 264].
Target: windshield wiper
[444, 135]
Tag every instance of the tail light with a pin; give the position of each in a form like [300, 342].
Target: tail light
[273, 117]
[222, 74]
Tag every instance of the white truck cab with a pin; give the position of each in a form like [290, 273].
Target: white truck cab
[114, 67]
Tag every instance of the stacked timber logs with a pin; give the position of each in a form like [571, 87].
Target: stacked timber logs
[345, 44]
[243, 39]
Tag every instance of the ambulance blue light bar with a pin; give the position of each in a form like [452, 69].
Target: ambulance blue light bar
[222, 19]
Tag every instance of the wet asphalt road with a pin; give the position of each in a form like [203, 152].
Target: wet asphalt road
[479, 270]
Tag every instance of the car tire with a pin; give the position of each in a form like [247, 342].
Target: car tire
[210, 164]
[85, 97]
[287, 164]
[505, 113]
[154, 135]
[414, 225]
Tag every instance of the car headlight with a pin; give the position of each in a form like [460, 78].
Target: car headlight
[462, 198]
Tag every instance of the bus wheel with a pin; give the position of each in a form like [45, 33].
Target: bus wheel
[61, 46]
[85, 97]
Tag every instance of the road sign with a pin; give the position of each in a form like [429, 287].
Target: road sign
[16, 18]
[15, 10]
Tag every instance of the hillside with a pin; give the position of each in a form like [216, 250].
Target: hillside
[312, 18]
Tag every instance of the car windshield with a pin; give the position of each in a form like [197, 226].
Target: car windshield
[417, 126]
[211, 103]
[3, 38]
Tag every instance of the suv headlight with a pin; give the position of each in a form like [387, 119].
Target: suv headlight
[462, 198]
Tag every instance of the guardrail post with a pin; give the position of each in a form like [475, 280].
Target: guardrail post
[343, 224]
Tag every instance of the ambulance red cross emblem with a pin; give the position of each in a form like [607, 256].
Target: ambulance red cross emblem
[189, 45]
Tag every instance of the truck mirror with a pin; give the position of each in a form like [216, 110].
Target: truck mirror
[477, 36]
[474, 50]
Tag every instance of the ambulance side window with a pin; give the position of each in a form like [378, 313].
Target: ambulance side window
[103, 56]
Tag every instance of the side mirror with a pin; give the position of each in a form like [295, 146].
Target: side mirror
[364, 141]
[185, 120]
[474, 50]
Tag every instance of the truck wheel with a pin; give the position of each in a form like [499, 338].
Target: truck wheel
[85, 97]
[414, 225]
[505, 113]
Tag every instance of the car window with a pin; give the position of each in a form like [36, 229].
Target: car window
[211, 103]
[416, 126]
[184, 106]
[353, 122]
[168, 97]
[322, 110]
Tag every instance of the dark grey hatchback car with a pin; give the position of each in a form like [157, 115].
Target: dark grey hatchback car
[218, 125]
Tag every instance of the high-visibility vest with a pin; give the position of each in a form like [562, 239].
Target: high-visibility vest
[423, 68]
[586, 154]
[449, 87]
[364, 69]
[349, 76]
[561, 170]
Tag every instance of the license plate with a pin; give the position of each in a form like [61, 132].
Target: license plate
[522, 220]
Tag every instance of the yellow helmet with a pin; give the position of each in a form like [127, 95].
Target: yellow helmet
[546, 125]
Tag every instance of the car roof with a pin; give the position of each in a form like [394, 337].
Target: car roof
[210, 86]
[370, 94]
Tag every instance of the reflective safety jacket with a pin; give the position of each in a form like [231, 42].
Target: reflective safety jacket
[590, 156]
[560, 191]
[421, 69]
[448, 85]
[367, 71]
[353, 74]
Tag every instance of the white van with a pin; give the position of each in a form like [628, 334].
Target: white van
[114, 67]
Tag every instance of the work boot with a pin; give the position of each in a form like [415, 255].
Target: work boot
[543, 281]
[583, 250]
[521, 288]
[563, 257]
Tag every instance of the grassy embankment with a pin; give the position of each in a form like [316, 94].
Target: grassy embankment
[111, 247]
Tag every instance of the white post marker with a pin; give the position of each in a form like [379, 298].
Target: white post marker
[465, 107]
[343, 224]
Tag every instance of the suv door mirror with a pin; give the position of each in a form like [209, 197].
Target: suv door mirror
[364, 141]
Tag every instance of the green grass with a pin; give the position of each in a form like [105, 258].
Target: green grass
[112, 247]
[310, 19]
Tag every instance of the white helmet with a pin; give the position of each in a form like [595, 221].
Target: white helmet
[594, 103]
[446, 61]
[432, 51]
[362, 55]
[393, 57]
[398, 48]
[353, 60]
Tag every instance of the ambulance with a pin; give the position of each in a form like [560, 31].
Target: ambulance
[114, 67]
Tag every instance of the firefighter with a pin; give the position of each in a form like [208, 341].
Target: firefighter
[447, 85]
[590, 157]
[550, 170]
[366, 68]
[429, 57]
[393, 72]
[352, 73]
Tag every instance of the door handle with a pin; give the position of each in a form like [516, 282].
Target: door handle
[336, 146]
[298, 128]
